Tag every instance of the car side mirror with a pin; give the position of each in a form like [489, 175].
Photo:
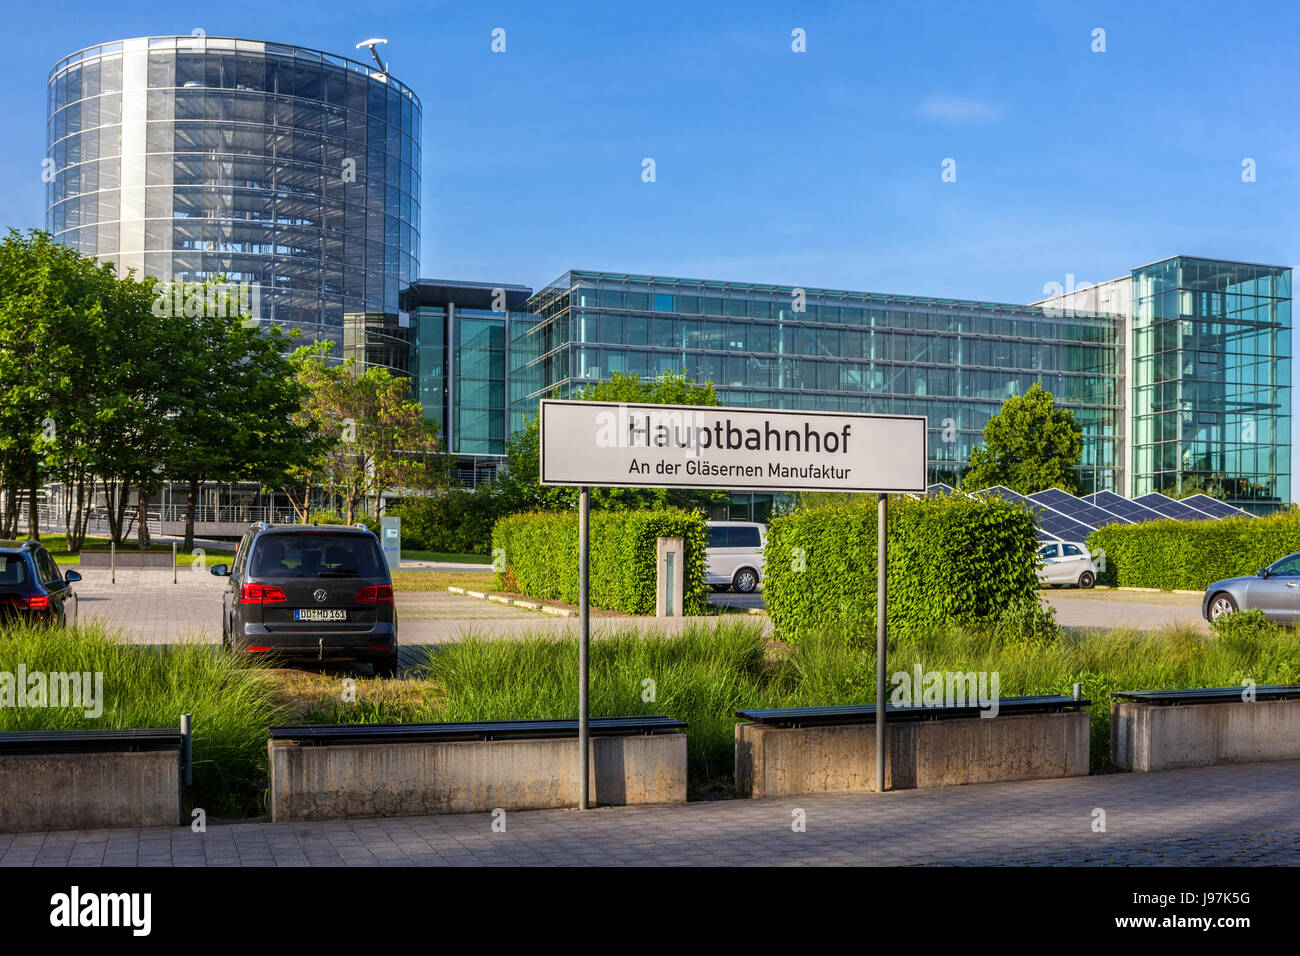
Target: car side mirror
[1262, 573]
[221, 570]
[72, 577]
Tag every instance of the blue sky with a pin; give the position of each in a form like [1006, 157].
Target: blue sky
[815, 169]
[818, 169]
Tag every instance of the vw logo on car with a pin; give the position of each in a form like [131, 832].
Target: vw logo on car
[320, 594]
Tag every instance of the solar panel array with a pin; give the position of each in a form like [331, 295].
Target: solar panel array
[1063, 517]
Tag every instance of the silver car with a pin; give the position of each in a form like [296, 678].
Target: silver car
[1275, 590]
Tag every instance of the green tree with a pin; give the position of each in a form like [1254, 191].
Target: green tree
[78, 356]
[367, 435]
[521, 490]
[1029, 445]
[235, 400]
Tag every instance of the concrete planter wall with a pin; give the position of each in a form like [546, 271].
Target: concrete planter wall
[418, 778]
[88, 791]
[783, 761]
[1163, 737]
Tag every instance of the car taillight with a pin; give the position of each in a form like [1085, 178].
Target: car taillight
[37, 602]
[261, 594]
[375, 594]
[258, 648]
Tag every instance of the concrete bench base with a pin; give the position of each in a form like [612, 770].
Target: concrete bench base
[1163, 737]
[415, 779]
[89, 791]
[783, 761]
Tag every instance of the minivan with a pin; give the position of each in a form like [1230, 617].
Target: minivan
[735, 555]
[311, 593]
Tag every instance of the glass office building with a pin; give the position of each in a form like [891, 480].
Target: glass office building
[954, 361]
[189, 158]
[458, 361]
[1211, 395]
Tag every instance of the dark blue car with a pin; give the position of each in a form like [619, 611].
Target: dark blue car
[32, 588]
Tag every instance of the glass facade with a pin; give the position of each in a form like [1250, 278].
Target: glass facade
[190, 158]
[779, 347]
[459, 341]
[1212, 379]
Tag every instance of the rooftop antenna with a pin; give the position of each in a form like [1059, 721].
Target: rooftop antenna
[383, 67]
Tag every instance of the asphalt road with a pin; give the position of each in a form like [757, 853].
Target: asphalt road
[1075, 608]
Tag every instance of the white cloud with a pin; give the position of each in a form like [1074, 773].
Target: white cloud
[959, 110]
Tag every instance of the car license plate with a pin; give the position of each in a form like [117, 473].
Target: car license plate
[319, 614]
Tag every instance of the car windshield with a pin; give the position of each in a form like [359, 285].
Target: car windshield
[316, 554]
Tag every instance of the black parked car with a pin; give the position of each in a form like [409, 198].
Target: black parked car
[33, 588]
[311, 593]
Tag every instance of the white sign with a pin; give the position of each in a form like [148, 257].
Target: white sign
[688, 446]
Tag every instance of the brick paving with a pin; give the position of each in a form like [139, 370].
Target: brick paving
[1230, 815]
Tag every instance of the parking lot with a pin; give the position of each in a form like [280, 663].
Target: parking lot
[1075, 608]
[150, 609]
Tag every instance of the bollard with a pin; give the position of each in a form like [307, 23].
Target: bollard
[1078, 691]
[173, 562]
[187, 750]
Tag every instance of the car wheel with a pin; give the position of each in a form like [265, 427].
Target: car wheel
[1220, 605]
[745, 581]
[1086, 580]
[386, 666]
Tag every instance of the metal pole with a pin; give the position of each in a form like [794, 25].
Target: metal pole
[187, 749]
[584, 638]
[882, 572]
[112, 559]
[173, 562]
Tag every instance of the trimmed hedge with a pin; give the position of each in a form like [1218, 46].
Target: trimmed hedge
[952, 560]
[541, 556]
[1190, 555]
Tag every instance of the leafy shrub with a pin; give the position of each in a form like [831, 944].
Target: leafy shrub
[455, 522]
[1191, 555]
[541, 556]
[951, 560]
[1251, 625]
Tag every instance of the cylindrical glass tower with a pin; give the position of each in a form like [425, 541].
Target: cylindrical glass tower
[190, 158]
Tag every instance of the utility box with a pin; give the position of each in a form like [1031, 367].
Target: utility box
[670, 578]
[390, 539]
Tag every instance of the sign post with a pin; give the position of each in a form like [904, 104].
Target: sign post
[882, 572]
[584, 641]
[613, 445]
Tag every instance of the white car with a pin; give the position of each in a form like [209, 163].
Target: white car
[1066, 562]
[735, 555]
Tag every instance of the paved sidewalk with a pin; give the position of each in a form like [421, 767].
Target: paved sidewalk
[1231, 815]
